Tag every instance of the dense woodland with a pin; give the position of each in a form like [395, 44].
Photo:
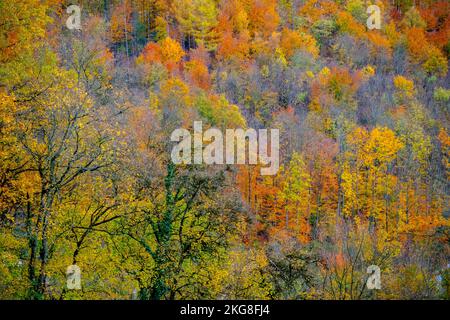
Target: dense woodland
[86, 176]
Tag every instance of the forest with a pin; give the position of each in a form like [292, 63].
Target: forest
[87, 179]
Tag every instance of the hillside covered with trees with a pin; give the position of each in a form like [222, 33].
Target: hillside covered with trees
[86, 176]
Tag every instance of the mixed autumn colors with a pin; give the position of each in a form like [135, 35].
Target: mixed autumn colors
[86, 176]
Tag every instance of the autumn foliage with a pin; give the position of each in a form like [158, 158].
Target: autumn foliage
[86, 176]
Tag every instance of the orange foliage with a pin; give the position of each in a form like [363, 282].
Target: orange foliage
[337, 84]
[417, 43]
[234, 47]
[315, 10]
[437, 18]
[347, 23]
[379, 41]
[444, 139]
[425, 53]
[292, 40]
[151, 53]
[168, 52]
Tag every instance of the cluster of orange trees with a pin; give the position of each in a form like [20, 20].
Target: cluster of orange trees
[85, 170]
